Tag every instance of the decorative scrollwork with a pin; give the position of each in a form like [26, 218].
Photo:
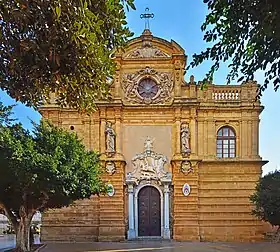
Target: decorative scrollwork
[149, 165]
[147, 51]
[110, 167]
[186, 167]
[131, 81]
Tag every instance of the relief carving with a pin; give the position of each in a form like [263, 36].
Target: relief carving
[164, 81]
[147, 51]
[186, 167]
[149, 165]
[185, 140]
[110, 167]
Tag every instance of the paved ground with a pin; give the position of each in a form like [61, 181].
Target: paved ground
[8, 241]
[149, 246]
[161, 246]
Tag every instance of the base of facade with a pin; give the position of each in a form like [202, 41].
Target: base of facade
[131, 234]
[166, 233]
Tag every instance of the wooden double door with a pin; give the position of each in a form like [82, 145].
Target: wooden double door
[149, 212]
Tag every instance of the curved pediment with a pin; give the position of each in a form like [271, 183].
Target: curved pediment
[148, 46]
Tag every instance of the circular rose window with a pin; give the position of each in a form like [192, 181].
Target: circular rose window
[147, 88]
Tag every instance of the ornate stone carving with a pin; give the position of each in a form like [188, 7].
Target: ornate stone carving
[110, 167]
[130, 83]
[185, 140]
[147, 51]
[110, 138]
[149, 165]
[186, 167]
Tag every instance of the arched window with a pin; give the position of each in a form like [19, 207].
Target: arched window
[226, 143]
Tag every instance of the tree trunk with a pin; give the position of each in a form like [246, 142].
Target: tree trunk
[276, 237]
[23, 231]
[23, 235]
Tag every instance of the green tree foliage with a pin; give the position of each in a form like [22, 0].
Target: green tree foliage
[61, 46]
[267, 198]
[246, 32]
[48, 168]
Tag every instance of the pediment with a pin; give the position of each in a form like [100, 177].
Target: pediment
[146, 50]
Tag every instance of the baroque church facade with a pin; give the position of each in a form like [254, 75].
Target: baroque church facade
[181, 161]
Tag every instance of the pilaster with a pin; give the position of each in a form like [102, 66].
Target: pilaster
[185, 213]
[112, 212]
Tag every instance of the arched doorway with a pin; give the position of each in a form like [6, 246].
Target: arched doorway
[149, 212]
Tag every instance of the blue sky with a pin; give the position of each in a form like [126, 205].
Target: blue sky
[180, 20]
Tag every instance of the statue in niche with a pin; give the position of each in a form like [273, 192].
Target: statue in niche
[185, 139]
[110, 138]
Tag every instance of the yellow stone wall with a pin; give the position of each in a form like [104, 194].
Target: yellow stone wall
[218, 207]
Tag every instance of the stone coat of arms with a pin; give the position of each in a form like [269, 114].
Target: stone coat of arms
[149, 165]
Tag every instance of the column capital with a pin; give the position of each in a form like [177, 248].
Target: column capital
[166, 189]
[130, 188]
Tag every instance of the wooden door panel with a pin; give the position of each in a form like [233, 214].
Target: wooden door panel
[149, 212]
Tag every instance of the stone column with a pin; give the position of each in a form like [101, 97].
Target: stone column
[102, 131]
[193, 131]
[255, 138]
[131, 224]
[250, 136]
[166, 232]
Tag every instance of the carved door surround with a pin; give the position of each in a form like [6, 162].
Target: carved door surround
[148, 172]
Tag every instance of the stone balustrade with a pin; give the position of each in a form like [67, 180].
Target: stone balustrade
[247, 91]
[232, 94]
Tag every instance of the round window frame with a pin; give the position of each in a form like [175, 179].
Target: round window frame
[154, 93]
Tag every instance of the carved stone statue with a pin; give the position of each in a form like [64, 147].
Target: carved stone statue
[110, 138]
[148, 145]
[185, 137]
[148, 165]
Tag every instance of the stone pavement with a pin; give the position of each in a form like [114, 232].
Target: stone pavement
[6, 241]
[161, 246]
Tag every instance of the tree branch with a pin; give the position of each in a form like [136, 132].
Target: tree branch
[45, 200]
[10, 215]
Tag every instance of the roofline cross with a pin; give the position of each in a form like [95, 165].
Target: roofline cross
[147, 15]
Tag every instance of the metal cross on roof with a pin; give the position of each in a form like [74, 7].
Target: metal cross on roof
[147, 16]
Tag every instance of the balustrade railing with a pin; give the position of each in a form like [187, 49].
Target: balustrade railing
[228, 94]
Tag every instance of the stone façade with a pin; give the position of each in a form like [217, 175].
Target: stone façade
[218, 207]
